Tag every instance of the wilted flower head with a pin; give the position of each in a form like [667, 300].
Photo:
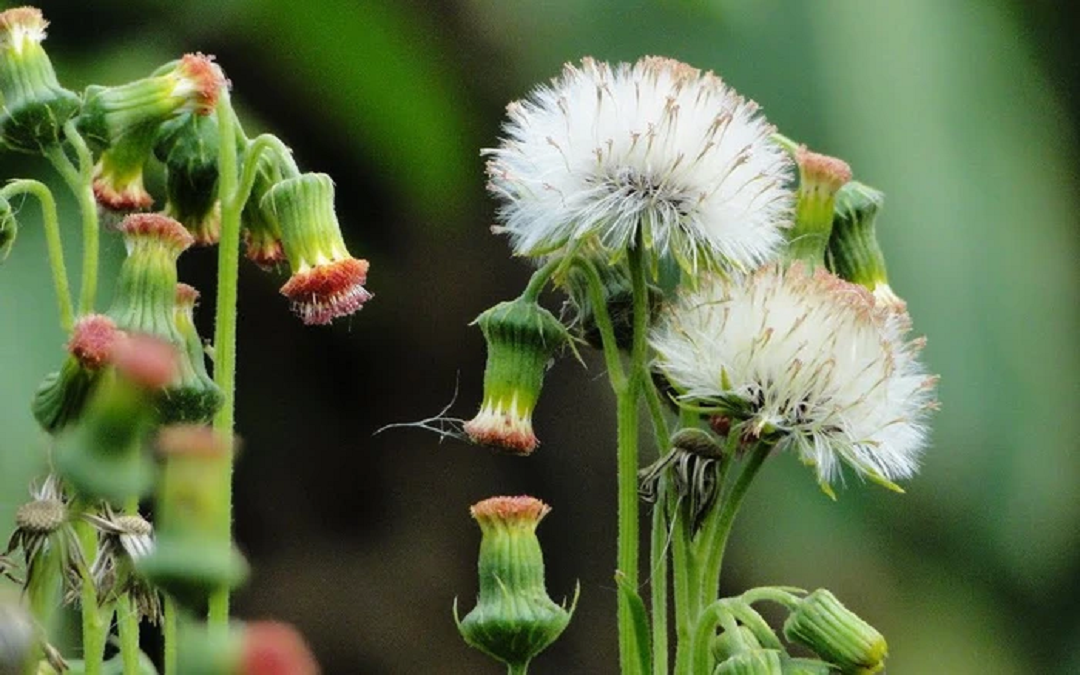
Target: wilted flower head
[808, 360]
[657, 146]
[125, 539]
[44, 524]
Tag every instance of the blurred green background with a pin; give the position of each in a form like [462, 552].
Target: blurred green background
[963, 112]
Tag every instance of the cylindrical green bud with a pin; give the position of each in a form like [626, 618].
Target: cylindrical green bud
[9, 228]
[195, 397]
[118, 174]
[256, 648]
[60, 398]
[262, 234]
[820, 176]
[193, 553]
[191, 84]
[752, 662]
[854, 253]
[103, 458]
[514, 619]
[806, 667]
[326, 282]
[725, 645]
[188, 147]
[836, 634]
[521, 339]
[33, 105]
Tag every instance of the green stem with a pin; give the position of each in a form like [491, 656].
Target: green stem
[659, 422]
[250, 162]
[168, 632]
[684, 578]
[700, 654]
[659, 585]
[540, 278]
[127, 622]
[714, 556]
[52, 243]
[225, 322]
[603, 323]
[521, 669]
[95, 618]
[79, 181]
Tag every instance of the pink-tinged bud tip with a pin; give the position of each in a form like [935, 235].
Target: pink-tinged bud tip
[132, 197]
[822, 169]
[207, 78]
[93, 339]
[26, 19]
[157, 226]
[323, 293]
[272, 648]
[186, 295]
[266, 253]
[145, 360]
[192, 440]
[510, 509]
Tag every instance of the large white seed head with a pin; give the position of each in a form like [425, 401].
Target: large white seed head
[604, 150]
[809, 357]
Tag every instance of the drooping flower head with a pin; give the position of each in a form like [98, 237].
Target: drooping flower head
[655, 149]
[808, 360]
[188, 147]
[33, 105]
[854, 253]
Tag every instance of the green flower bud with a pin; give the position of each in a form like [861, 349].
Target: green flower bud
[60, 398]
[118, 174]
[514, 619]
[33, 105]
[196, 397]
[327, 282]
[820, 176]
[836, 634]
[262, 234]
[256, 648]
[191, 84]
[193, 553]
[752, 662]
[725, 645]
[854, 253]
[188, 147]
[146, 302]
[521, 338]
[103, 458]
[9, 228]
[806, 667]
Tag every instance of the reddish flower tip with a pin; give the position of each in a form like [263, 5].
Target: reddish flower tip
[264, 252]
[192, 440]
[323, 293]
[157, 226]
[503, 430]
[272, 648]
[510, 509]
[207, 78]
[132, 197]
[22, 17]
[145, 360]
[822, 168]
[186, 295]
[93, 339]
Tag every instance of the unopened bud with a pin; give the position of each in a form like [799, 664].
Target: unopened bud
[521, 338]
[262, 234]
[194, 397]
[854, 253]
[193, 554]
[326, 282]
[820, 176]
[725, 645]
[34, 105]
[836, 634]
[752, 662]
[188, 147]
[256, 648]
[807, 667]
[514, 619]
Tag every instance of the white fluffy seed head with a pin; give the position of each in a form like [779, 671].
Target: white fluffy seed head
[657, 145]
[808, 356]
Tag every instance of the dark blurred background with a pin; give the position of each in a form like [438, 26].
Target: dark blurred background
[963, 112]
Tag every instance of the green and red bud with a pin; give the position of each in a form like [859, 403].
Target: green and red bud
[194, 397]
[836, 634]
[261, 232]
[188, 147]
[33, 105]
[521, 339]
[854, 253]
[193, 554]
[514, 619]
[820, 177]
[326, 282]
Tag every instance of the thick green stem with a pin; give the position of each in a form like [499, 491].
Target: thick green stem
[95, 618]
[52, 243]
[225, 319]
[603, 322]
[686, 581]
[714, 553]
[540, 279]
[169, 635]
[79, 181]
[659, 586]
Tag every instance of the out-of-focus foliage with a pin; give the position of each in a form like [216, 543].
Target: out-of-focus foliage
[363, 541]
